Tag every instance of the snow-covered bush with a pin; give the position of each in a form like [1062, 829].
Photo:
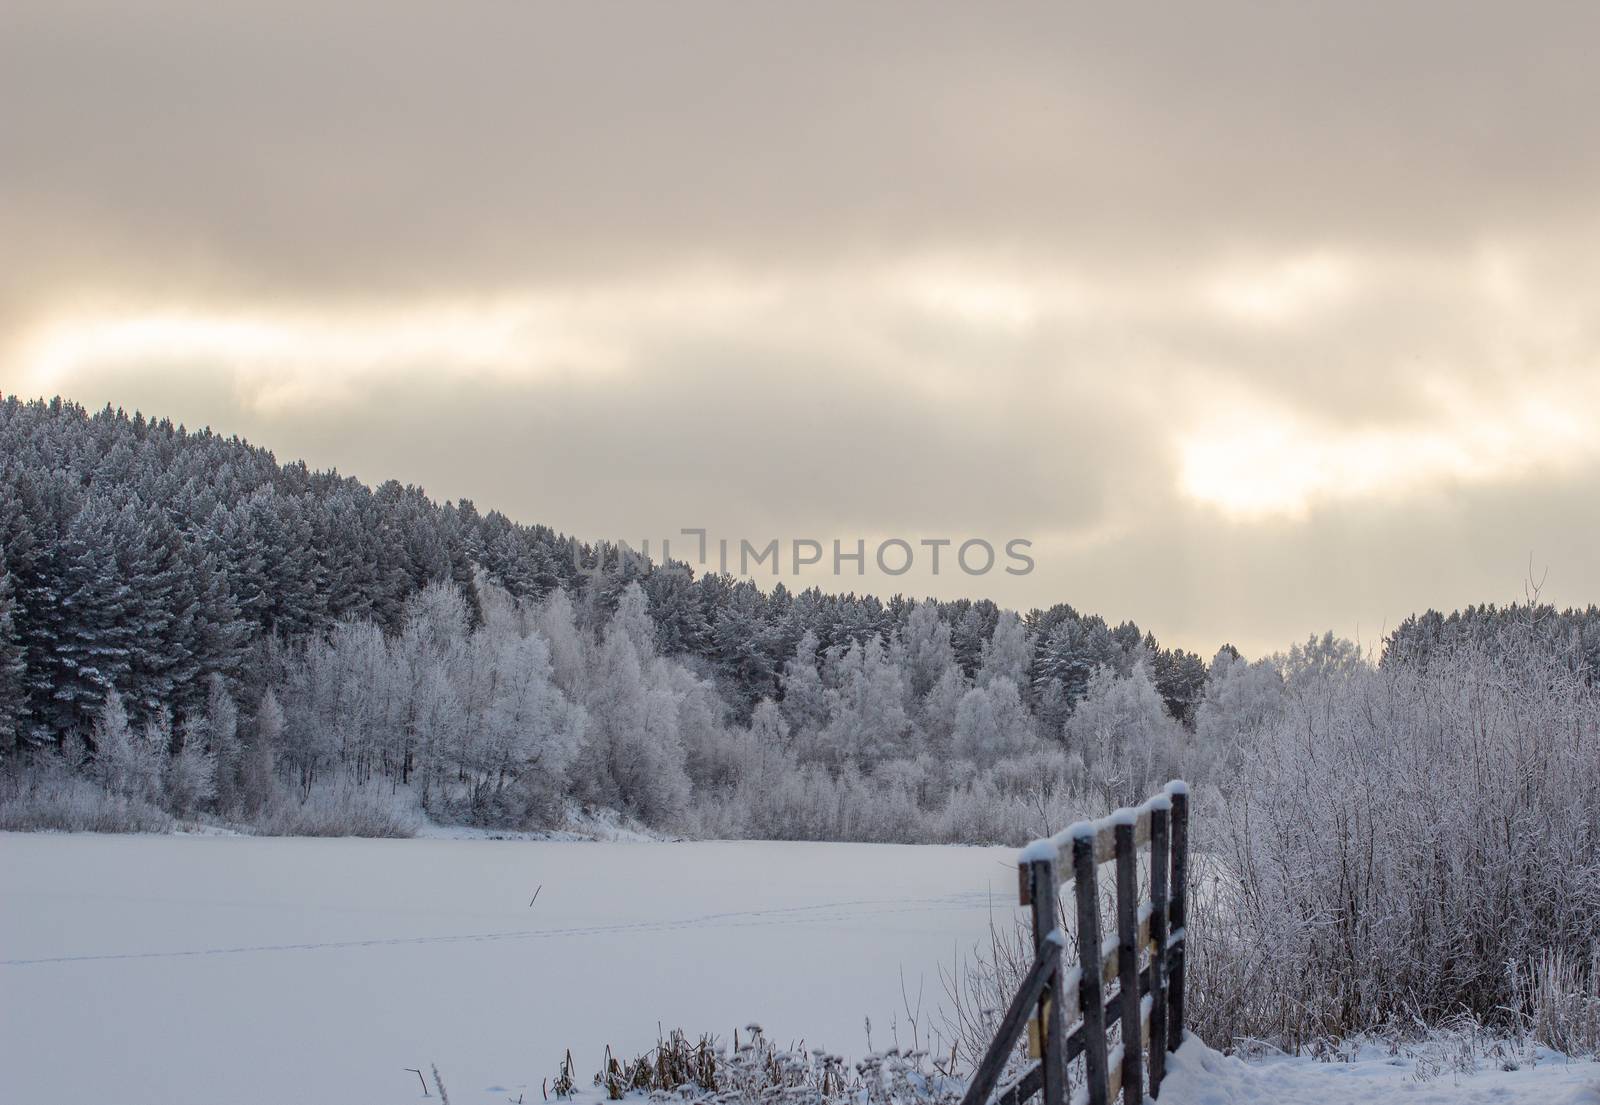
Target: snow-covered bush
[53, 797]
[1396, 838]
[341, 809]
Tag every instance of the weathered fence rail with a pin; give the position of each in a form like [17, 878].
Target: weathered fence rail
[1143, 958]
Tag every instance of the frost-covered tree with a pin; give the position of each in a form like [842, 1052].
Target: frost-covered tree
[928, 652]
[937, 710]
[222, 731]
[114, 764]
[768, 728]
[992, 723]
[650, 768]
[188, 776]
[1125, 736]
[432, 637]
[1008, 652]
[711, 749]
[517, 755]
[633, 754]
[632, 619]
[556, 622]
[257, 755]
[1320, 660]
[1373, 835]
[1242, 701]
[867, 716]
[805, 702]
[681, 624]
[152, 747]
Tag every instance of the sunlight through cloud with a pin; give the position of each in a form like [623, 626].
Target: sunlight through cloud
[1254, 463]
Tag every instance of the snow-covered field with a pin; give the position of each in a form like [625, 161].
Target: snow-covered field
[191, 970]
[233, 970]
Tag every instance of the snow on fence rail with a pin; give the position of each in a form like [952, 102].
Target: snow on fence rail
[1148, 1003]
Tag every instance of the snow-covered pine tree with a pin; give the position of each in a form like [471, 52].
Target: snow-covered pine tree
[162, 667]
[681, 624]
[218, 633]
[745, 646]
[1067, 658]
[1181, 678]
[967, 638]
[98, 632]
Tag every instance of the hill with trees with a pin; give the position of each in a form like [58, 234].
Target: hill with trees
[153, 578]
[190, 628]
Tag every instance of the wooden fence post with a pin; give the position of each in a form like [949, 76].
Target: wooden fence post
[1160, 863]
[1087, 892]
[1179, 793]
[1045, 895]
[1128, 957]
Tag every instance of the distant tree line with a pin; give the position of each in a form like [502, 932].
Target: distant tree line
[1572, 636]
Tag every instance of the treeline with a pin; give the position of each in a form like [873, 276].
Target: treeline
[188, 628]
[1570, 636]
[138, 557]
[514, 715]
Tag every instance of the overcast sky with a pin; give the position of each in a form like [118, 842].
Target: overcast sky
[1283, 320]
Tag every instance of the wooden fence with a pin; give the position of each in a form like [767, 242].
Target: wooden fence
[1148, 1002]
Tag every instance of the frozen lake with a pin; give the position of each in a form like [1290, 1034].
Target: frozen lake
[211, 970]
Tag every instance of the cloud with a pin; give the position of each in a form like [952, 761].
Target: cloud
[1194, 303]
[1251, 461]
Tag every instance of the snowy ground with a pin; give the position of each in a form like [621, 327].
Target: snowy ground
[212, 969]
[1198, 1076]
[222, 970]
